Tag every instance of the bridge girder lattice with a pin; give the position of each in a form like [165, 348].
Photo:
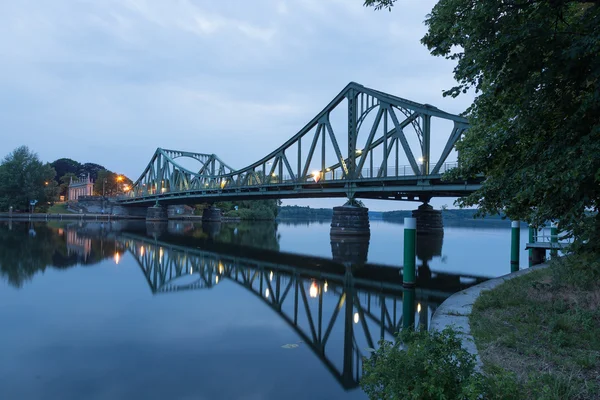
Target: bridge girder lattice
[320, 161]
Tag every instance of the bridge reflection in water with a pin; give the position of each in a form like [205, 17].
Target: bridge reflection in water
[340, 309]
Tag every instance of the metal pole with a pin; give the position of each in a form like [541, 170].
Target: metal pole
[553, 239]
[514, 247]
[410, 246]
[531, 240]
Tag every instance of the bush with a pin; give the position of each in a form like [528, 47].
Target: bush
[421, 365]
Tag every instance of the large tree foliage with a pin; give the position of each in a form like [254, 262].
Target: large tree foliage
[64, 166]
[109, 183]
[23, 178]
[535, 122]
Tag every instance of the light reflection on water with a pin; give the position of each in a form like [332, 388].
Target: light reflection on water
[174, 310]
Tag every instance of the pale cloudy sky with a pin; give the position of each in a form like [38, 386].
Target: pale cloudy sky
[109, 81]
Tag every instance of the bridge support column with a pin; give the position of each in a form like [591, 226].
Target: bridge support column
[350, 220]
[429, 221]
[211, 214]
[157, 213]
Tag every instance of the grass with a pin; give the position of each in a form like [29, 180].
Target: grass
[59, 208]
[543, 330]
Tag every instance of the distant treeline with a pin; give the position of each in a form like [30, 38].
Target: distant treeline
[307, 213]
[298, 212]
[447, 214]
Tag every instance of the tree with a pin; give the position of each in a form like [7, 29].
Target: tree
[535, 122]
[23, 177]
[115, 183]
[92, 169]
[65, 181]
[64, 166]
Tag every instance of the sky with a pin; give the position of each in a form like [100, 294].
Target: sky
[110, 81]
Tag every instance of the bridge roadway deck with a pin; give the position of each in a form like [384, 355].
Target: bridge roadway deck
[368, 276]
[393, 188]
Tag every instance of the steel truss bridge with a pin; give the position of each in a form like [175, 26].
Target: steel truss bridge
[339, 312]
[361, 145]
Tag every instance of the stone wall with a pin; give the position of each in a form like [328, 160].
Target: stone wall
[95, 205]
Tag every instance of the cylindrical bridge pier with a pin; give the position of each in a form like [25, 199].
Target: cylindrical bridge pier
[350, 220]
[429, 221]
[211, 214]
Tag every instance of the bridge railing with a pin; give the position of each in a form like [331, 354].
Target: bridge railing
[316, 177]
[549, 234]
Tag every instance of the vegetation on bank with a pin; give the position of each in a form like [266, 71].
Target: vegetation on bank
[25, 178]
[535, 135]
[537, 335]
[307, 213]
[265, 210]
[544, 328]
[59, 208]
[458, 214]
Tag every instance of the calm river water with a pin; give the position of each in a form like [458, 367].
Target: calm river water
[129, 310]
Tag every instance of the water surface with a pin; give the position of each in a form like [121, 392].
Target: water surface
[227, 311]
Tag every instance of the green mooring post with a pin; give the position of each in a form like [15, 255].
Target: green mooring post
[531, 240]
[514, 246]
[408, 307]
[410, 248]
[553, 239]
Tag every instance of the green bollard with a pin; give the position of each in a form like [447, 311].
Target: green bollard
[514, 246]
[408, 307]
[553, 239]
[410, 248]
[531, 240]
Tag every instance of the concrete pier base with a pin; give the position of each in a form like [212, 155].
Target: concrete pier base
[211, 214]
[156, 213]
[429, 221]
[350, 221]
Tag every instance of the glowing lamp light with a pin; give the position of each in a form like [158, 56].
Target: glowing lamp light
[271, 276]
[142, 251]
[419, 307]
[222, 184]
[421, 159]
[356, 318]
[217, 279]
[316, 175]
[325, 287]
[117, 258]
[221, 267]
[314, 289]
[267, 293]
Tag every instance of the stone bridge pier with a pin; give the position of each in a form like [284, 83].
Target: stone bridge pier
[429, 220]
[350, 219]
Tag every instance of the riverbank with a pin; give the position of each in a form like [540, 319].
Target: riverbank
[541, 331]
[67, 216]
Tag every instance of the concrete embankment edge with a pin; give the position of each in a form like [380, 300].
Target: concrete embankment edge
[455, 311]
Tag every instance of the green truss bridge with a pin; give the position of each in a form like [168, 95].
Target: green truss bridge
[363, 144]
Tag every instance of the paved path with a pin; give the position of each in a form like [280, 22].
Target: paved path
[456, 309]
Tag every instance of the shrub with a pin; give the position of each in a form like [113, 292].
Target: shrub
[422, 365]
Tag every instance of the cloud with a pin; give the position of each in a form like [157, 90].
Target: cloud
[110, 81]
